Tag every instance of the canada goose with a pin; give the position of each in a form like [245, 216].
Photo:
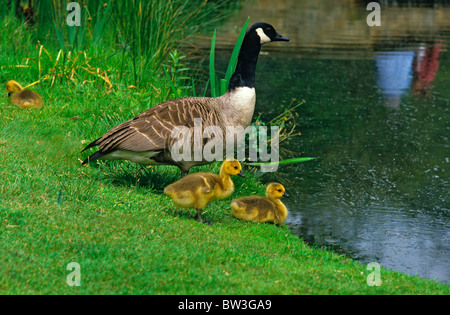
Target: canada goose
[23, 98]
[147, 138]
[198, 190]
[262, 209]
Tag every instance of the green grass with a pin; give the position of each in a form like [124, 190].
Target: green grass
[112, 217]
[127, 236]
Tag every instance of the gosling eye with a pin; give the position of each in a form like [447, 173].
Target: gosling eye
[235, 167]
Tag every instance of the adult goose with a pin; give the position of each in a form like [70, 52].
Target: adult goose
[147, 139]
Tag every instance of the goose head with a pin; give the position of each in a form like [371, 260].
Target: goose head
[257, 35]
[13, 87]
[275, 191]
[265, 33]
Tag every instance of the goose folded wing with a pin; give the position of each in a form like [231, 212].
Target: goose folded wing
[151, 130]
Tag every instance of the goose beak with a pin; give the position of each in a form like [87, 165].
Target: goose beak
[280, 38]
[286, 195]
[241, 174]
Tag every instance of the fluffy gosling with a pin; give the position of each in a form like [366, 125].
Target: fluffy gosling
[262, 209]
[198, 190]
[23, 98]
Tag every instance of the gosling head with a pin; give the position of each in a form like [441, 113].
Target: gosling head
[276, 191]
[13, 87]
[266, 33]
[232, 167]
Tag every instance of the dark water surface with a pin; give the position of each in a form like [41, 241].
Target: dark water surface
[376, 117]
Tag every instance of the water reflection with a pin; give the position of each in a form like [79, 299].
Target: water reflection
[338, 28]
[426, 65]
[376, 116]
[397, 69]
[394, 74]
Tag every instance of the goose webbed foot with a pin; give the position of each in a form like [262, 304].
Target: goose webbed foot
[200, 219]
[207, 221]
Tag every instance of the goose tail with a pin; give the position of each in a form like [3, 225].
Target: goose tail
[93, 157]
[92, 144]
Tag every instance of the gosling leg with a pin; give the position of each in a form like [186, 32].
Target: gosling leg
[184, 172]
[199, 215]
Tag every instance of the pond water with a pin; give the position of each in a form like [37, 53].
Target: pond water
[376, 117]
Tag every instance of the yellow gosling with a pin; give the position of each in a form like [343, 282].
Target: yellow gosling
[198, 190]
[23, 98]
[262, 209]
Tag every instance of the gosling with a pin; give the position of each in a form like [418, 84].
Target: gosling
[198, 190]
[23, 98]
[262, 209]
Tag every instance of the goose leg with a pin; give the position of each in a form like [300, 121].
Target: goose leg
[184, 172]
[137, 173]
[199, 215]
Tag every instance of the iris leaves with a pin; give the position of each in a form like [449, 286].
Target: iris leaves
[220, 87]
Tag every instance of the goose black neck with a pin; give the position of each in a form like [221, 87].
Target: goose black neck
[244, 74]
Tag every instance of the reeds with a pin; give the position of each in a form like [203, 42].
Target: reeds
[138, 35]
[219, 87]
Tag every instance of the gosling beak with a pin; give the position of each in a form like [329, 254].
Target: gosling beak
[285, 195]
[280, 38]
[241, 174]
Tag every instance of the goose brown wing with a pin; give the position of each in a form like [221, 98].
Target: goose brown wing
[151, 130]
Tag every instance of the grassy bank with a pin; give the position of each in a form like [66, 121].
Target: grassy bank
[112, 218]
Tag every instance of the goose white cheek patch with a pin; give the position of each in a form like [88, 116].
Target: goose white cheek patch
[263, 36]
